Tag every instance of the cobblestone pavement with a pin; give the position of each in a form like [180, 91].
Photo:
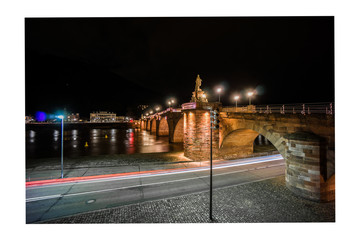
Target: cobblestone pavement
[264, 201]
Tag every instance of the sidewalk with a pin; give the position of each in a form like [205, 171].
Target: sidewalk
[263, 201]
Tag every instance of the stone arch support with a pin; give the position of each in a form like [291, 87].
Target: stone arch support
[306, 167]
[163, 127]
[148, 125]
[153, 126]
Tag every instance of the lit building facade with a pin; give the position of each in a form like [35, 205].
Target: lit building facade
[73, 117]
[102, 116]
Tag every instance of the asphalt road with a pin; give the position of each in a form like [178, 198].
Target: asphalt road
[52, 201]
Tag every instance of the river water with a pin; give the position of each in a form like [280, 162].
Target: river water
[46, 143]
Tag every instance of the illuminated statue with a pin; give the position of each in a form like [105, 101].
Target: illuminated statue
[198, 94]
[198, 84]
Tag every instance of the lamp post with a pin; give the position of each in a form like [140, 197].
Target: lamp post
[219, 91]
[250, 94]
[236, 99]
[169, 102]
[62, 145]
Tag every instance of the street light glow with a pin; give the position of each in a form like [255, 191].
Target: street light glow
[250, 94]
[219, 90]
[236, 97]
[60, 117]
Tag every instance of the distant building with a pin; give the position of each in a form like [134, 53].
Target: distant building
[123, 119]
[73, 117]
[29, 119]
[120, 118]
[102, 116]
[143, 107]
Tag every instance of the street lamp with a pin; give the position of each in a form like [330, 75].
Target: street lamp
[62, 145]
[219, 91]
[157, 109]
[169, 102]
[250, 94]
[236, 99]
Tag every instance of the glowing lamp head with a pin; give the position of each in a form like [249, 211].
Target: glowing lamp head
[236, 97]
[60, 117]
[151, 112]
[172, 100]
[250, 94]
[218, 90]
[204, 95]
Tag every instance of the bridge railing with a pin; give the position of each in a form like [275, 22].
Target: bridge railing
[297, 108]
[162, 112]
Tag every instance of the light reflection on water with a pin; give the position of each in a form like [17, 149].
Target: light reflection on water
[261, 140]
[45, 143]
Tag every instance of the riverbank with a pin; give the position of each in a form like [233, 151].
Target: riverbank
[50, 168]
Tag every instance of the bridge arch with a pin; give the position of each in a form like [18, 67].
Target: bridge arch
[238, 143]
[306, 148]
[163, 127]
[236, 134]
[148, 124]
[179, 131]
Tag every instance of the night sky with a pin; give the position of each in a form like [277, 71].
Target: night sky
[116, 64]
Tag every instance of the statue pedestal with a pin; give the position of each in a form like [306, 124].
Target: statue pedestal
[197, 131]
[199, 96]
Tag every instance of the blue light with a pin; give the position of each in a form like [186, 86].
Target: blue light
[40, 116]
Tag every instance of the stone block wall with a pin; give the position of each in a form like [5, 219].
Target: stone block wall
[197, 135]
[305, 174]
[163, 127]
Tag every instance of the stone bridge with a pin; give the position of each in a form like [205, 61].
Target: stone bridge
[167, 123]
[305, 140]
[304, 137]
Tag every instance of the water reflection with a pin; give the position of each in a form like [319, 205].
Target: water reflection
[31, 135]
[99, 141]
[56, 135]
[261, 140]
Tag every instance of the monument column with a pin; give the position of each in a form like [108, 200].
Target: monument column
[197, 126]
